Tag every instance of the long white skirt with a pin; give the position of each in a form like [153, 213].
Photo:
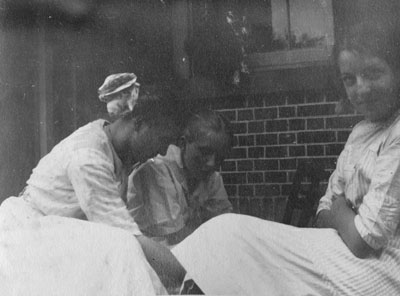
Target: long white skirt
[51, 255]
[242, 255]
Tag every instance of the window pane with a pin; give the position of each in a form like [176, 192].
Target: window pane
[267, 22]
[311, 24]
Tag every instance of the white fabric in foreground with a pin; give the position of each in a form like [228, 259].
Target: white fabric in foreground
[243, 255]
[51, 255]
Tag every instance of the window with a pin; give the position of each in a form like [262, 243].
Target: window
[288, 33]
[235, 43]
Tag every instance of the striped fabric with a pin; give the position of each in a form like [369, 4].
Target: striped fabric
[241, 255]
[368, 175]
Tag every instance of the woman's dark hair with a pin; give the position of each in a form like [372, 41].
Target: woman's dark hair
[154, 107]
[206, 119]
[379, 38]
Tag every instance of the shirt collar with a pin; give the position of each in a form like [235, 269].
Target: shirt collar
[173, 155]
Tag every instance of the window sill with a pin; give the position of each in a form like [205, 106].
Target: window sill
[290, 59]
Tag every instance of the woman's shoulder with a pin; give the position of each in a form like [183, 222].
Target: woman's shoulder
[361, 130]
[91, 136]
[394, 130]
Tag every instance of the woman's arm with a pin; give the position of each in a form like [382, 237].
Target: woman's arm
[91, 174]
[378, 215]
[341, 218]
[217, 201]
[163, 262]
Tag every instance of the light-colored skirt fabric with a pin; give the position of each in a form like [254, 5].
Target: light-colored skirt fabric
[242, 255]
[51, 255]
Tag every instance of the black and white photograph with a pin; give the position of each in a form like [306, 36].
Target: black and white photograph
[199, 147]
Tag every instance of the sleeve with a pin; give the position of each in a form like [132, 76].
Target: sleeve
[156, 200]
[336, 183]
[379, 213]
[97, 190]
[217, 202]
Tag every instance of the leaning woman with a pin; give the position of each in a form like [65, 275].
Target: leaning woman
[356, 248]
[69, 232]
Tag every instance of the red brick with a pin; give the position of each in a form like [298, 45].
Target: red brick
[275, 151]
[246, 190]
[275, 177]
[234, 178]
[287, 112]
[256, 127]
[257, 152]
[238, 153]
[342, 136]
[265, 113]
[229, 114]
[246, 140]
[276, 125]
[287, 138]
[267, 190]
[245, 115]
[245, 165]
[255, 178]
[297, 151]
[316, 110]
[239, 127]
[228, 166]
[266, 164]
[287, 164]
[316, 137]
[333, 149]
[342, 122]
[297, 124]
[315, 123]
[315, 150]
[266, 139]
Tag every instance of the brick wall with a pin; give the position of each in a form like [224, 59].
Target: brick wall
[273, 133]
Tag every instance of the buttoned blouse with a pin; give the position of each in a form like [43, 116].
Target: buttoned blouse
[368, 176]
[159, 198]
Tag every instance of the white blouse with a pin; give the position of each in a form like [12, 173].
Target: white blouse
[368, 176]
[82, 177]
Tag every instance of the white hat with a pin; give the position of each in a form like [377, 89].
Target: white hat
[112, 85]
[115, 83]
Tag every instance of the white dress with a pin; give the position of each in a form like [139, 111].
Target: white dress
[46, 245]
[242, 255]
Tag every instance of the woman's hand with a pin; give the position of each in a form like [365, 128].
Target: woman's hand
[168, 268]
[326, 218]
[341, 217]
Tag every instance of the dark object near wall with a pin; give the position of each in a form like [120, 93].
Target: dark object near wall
[303, 197]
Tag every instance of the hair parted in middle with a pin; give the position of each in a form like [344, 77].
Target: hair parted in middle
[207, 120]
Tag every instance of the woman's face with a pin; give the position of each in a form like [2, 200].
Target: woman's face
[205, 155]
[370, 84]
[152, 140]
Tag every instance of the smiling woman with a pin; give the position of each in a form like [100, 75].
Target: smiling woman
[369, 64]
[356, 248]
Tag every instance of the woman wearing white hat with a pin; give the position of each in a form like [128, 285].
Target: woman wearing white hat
[45, 252]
